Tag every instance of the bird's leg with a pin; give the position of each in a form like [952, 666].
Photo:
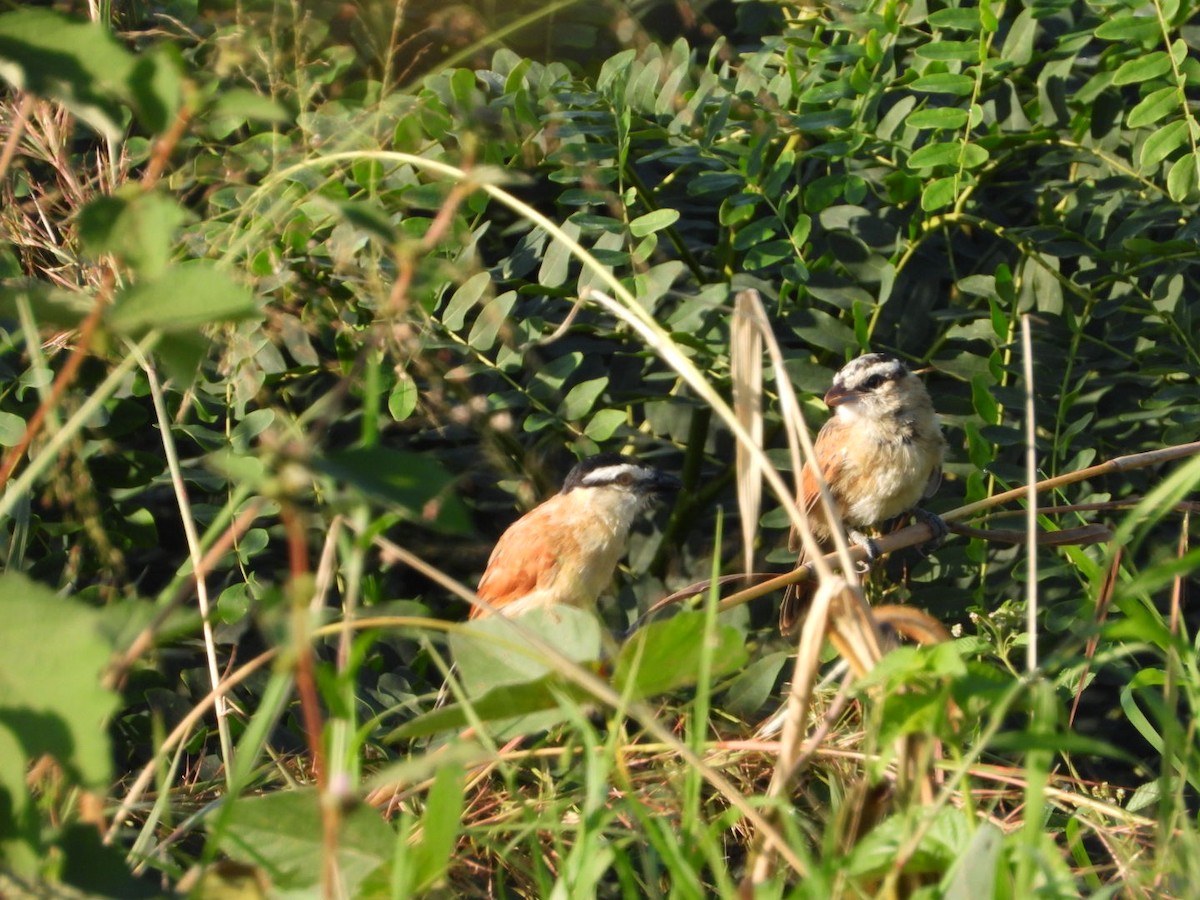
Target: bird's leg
[936, 524]
[870, 548]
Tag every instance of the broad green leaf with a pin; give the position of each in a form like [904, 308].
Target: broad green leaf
[240, 105]
[369, 217]
[581, 398]
[282, 833]
[508, 684]
[52, 307]
[931, 155]
[156, 86]
[938, 193]
[944, 83]
[78, 64]
[1153, 107]
[942, 117]
[558, 257]
[183, 298]
[493, 651]
[653, 221]
[1182, 177]
[509, 709]
[490, 320]
[664, 656]
[51, 696]
[973, 156]
[12, 429]
[767, 254]
[738, 209]
[958, 18]
[1143, 68]
[137, 227]
[1130, 29]
[754, 686]
[1162, 144]
[604, 424]
[466, 296]
[402, 401]
[963, 51]
[1018, 43]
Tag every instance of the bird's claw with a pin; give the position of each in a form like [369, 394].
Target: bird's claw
[936, 524]
[870, 548]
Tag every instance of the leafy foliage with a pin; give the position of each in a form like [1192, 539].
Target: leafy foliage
[361, 287]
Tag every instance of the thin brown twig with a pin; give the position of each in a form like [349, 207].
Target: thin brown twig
[164, 146]
[65, 376]
[14, 135]
[1102, 603]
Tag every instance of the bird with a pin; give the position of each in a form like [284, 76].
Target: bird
[565, 550]
[880, 454]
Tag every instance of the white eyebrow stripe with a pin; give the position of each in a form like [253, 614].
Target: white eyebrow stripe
[609, 474]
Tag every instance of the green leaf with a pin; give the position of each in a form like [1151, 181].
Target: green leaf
[556, 262]
[12, 429]
[509, 685]
[510, 709]
[156, 86]
[1182, 177]
[234, 107]
[137, 227]
[963, 51]
[78, 64]
[416, 483]
[1153, 107]
[1143, 68]
[466, 296]
[937, 154]
[1018, 44]
[653, 221]
[958, 18]
[944, 83]
[939, 193]
[282, 832]
[490, 320]
[667, 655]
[604, 423]
[768, 254]
[1162, 144]
[439, 827]
[941, 117]
[1130, 29]
[581, 398]
[754, 686]
[182, 299]
[402, 401]
[51, 697]
[369, 217]
[493, 650]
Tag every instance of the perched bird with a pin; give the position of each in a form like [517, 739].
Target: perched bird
[566, 549]
[880, 454]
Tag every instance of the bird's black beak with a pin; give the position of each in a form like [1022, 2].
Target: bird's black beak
[665, 484]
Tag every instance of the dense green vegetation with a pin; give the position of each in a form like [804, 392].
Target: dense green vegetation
[315, 299]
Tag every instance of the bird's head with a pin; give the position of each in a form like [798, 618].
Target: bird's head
[625, 479]
[873, 385]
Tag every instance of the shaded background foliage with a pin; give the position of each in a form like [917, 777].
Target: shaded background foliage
[360, 337]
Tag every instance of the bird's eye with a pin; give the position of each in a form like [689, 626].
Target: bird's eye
[873, 382]
[625, 479]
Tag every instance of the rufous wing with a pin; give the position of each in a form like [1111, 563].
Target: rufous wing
[523, 560]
